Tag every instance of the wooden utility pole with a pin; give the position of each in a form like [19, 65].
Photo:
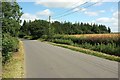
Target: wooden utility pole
[49, 18]
[49, 26]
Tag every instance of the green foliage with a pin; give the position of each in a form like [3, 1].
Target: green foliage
[110, 48]
[11, 18]
[0, 38]
[90, 52]
[11, 13]
[9, 45]
[109, 30]
[68, 42]
[28, 37]
[50, 32]
[78, 28]
[87, 46]
[21, 35]
[45, 37]
[38, 28]
[91, 40]
[105, 45]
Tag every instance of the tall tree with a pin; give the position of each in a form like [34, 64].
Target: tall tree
[11, 13]
[109, 30]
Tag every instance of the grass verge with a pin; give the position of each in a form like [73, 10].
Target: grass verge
[0, 65]
[15, 67]
[90, 52]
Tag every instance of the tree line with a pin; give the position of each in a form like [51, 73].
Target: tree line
[11, 28]
[10, 19]
[38, 28]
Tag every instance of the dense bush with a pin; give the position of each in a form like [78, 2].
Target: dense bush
[69, 42]
[28, 37]
[108, 45]
[21, 35]
[38, 28]
[0, 40]
[11, 13]
[91, 40]
[110, 48]
[9, 45]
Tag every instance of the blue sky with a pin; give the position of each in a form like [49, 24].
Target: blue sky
[101, 13]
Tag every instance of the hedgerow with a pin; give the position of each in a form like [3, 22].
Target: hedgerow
[9, 45]
[105, 44]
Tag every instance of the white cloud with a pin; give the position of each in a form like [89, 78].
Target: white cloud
[91, 13]
[27, 17]
[110, 0]
[60, 3]
[38, 15]
[53, 20]
[64, 0]
[104, 20]
[95, 0]
[45, 12]
[102, 11]
[79, 9]
[50, 3]
[76, 9]
[105, 0]
[68, 3]
[112, 20]
[99, 4]
[115, 14]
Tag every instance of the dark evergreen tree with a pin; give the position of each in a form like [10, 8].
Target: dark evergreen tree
[109, 30]
[38, 28]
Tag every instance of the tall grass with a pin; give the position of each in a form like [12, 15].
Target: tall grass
[9, 45]
[107, 43]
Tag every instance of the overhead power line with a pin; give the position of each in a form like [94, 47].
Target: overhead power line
[77, 10]
[74, 7]
[77, 6]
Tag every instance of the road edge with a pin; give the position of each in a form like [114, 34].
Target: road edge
[15, 68]
[88, 51]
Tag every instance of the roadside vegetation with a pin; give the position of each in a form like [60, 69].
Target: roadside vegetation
[0, 52]
[102, 45]
[106, 44]
[9, 46]
[84, 35]
[12, 59]
[11, 13]
[41, 28]
[66, 34]
[15, 67]
[90, 52]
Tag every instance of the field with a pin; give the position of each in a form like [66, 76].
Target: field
[98, 35]
[106, 43]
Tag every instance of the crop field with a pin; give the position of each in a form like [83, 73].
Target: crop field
[106, 43]
[98, 35]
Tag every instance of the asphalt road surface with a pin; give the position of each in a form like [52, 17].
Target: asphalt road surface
[43, 60]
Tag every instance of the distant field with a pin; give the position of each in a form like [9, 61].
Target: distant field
[97, 35]
[106, 43]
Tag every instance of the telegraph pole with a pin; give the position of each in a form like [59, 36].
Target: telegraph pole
[49, 27]
[49, 19]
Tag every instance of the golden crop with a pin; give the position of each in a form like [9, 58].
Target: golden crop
[98, 35]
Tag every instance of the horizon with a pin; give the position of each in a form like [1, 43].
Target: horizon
[105, 13]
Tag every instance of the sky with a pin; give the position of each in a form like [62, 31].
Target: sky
[91, 11]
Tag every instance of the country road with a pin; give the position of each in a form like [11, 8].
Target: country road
[43, 60]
